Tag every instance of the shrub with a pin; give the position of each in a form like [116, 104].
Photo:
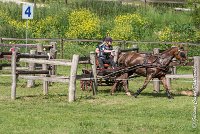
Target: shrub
[83, 24]
[177, 33]
[103, 8]
[45, 28]
[127, 27]
[196, 17]
[11, 26]
[197, 36]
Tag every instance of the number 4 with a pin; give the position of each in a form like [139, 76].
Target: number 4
[28, 11]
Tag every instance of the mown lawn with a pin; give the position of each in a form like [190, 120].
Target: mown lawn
[150, 113]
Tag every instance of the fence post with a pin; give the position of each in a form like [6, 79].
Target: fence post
[45, 83]
[44, 67]
[62, 48]
[173, 68]
[53, 52]
[14, 75]
[135, 47]
[1, 40]
[116, 55]
[124, 44]
[94, 71]
[156, 82]
[168, 82]
[72, 80]
[31, 83]
[197, 74]
[39, 48]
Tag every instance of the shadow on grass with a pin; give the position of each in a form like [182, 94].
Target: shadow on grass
[5, 83]
[159, 94]
[42, 96]
[104, 91]
[151, 94]
[89, 97]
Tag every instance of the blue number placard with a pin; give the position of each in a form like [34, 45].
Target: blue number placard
[27, 11]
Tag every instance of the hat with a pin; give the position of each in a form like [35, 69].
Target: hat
[108, 39]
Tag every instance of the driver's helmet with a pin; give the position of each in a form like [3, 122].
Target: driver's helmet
[108, 39]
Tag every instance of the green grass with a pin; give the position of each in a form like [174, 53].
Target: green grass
[150, 113]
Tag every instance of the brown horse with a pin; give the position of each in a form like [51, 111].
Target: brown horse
[148, 65]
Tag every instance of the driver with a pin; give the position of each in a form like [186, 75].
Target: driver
[105, 53]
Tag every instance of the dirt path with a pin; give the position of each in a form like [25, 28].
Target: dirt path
[16, 1]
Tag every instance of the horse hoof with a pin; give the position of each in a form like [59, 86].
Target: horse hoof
[111, 93]
[156, 92]
[128, 93]
[170, 97]
[135, 95]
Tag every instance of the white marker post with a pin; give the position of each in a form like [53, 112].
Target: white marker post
[27, 13]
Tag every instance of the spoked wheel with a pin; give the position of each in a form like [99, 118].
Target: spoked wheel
[86, 85]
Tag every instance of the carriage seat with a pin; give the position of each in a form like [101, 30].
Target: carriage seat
[106, 65]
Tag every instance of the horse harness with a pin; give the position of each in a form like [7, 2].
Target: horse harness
[157, 62]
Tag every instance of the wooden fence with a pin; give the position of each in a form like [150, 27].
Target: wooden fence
[45, 75]
[156, 85]
[35, 49]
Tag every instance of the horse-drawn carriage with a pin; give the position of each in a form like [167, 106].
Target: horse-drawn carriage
[87, 83]
[148, 65]
[102, 74]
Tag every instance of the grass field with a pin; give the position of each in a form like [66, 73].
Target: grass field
[150, 113]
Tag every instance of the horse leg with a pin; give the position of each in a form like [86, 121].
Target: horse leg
[147, 80]
[125, 84]
[114, 87]
[164, 82]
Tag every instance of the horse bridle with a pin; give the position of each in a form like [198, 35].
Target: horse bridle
[182, 56]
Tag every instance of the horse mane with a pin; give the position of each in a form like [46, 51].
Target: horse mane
[168, 50]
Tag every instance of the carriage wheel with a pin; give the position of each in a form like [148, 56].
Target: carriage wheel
[83, 86]
[86, 85]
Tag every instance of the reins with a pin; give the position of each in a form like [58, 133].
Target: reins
[157, 63]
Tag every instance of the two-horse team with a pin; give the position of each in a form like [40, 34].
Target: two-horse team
[148, 65]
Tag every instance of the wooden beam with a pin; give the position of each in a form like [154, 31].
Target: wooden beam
[72, 82]
[32, 56]
[31, 67]
[50, 62]
[179, 76]
[32, 72]
[14, 76]
[197, 75]
[18, 45]
[156, 82]
[61, 79]
[94, 71]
